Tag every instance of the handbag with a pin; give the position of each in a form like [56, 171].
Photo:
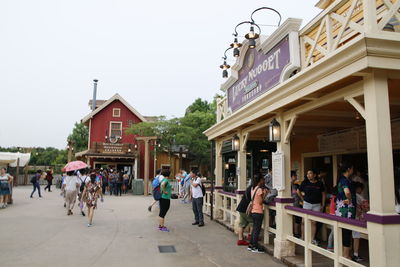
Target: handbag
[250, 206]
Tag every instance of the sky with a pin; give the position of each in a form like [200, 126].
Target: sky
[158, 55]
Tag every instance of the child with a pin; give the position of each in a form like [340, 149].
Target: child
[361, 209]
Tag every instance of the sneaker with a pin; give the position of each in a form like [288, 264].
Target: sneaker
[357, 258]
[83, 214]
[250, 248]
[164, 229]
[149, 208]
[69, 212]
[242, 243]
[65, 205]
[258, 250]
[314, 242]
[201, 224]
[89, 225]
[195, 223]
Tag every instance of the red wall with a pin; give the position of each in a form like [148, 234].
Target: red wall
[100, 127]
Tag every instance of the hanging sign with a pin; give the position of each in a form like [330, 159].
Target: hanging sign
[278, 171]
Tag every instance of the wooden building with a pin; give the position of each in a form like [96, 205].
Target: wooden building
[335, 91]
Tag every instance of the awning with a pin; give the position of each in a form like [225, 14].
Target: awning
[12, 158]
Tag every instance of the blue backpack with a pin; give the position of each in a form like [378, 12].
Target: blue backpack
[156, 189]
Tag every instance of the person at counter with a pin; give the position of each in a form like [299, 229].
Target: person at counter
[312, 194]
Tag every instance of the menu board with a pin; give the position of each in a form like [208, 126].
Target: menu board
[278, 171]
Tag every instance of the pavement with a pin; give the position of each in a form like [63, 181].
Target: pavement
[37, 232]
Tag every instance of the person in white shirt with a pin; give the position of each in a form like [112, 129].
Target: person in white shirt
[70, 186]
[197, 200]
[83, 179]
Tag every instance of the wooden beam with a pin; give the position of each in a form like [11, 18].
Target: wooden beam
[289, 129]
[350, 90]
[326, 124]
[244, 141]
[356, 105]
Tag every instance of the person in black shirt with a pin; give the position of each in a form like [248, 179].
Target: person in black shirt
[245, 219]
[312, 193]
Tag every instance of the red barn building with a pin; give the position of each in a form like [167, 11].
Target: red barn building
[109, 145]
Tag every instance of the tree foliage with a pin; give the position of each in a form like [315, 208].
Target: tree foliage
[187, 130]
[79, 137]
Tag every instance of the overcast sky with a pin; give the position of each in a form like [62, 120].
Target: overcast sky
[159, 55]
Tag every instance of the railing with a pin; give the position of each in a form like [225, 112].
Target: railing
[336, 223]
[342, 23]
[222, 109]
[267, 229]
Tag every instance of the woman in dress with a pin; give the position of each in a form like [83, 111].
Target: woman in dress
[90, 194]
[4, 187]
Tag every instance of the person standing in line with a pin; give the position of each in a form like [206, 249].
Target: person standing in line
[361, 210]
[36, 182]
[126, 183]
[83, 179]
[165, 200]
[49, 179]
[197, 200]
[5, 180]
[156, 186]
[120, 181]
[112, 182]
[295, 185]
[346, 204]
[105, 183]
[245, 219]
[258, 193]
[312, 194]
[71, 186]
[90, 194]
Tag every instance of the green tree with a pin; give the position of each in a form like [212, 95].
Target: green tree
[79, 136]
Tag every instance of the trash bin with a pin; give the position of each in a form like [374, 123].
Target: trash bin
[137, 187]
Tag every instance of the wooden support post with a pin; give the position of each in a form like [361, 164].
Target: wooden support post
[381, 237]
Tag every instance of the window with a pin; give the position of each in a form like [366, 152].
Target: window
[115, 129]
[116, 112]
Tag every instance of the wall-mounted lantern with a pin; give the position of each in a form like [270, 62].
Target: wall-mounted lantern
[235, 143]
[274, 131]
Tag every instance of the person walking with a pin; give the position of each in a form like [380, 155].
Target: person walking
[49, 179]
[126, 183]
[346, 204]
[197, 200]
[244, 218]
[258, 193]
[91, 193]
[156, 188]
[312, 194]
[186, 185]
[5, 180]
[83, 179]
[165, 200]
[71, 186]
[36, 183]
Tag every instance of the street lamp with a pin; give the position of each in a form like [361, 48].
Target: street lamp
[225, 66]
[235, 143]
[274, 131]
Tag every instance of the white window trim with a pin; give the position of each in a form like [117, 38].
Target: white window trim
[119, 112]
[119, 122]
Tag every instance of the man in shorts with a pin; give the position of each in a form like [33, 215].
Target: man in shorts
[245, 220]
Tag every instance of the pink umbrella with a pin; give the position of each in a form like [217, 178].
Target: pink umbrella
[75, 165]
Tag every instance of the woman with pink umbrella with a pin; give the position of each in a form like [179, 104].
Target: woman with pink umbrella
[71, 183]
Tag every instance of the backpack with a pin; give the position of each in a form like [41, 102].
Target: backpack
[203, 189]
[156, 189]
[33, 179]
[250, 206]
[82, 184]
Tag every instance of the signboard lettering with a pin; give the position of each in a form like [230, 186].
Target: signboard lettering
[260, 73]
[278, 171]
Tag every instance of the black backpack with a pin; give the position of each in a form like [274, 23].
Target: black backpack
[203, 189]
[33, 179]
[82, 185]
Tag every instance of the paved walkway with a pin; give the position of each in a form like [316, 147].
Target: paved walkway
[37, 232]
